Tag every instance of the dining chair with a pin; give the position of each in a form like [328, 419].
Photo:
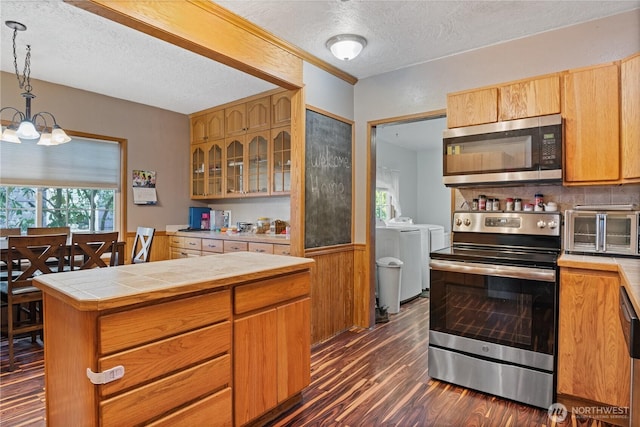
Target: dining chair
[141, 251]
[88, 250]
[23, 300]
[6, 232]
[34, 231]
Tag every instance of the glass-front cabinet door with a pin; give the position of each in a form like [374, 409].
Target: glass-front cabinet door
[197, 170]
[258, 162]
[214, 162]
[281, 163]
[234, 165]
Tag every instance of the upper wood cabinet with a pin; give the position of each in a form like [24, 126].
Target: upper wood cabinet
[281, 109]
[593, 362]
[538, 96]
[281, 160]
[472, 107]
[630, 118]
[529, 98]
[259, 114]
[207, 127]
[235, 119]
[242, 163]
[591, 113]
[247, 117]
[206, 170]
[258, 163]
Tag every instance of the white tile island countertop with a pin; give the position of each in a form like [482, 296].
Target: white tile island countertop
[106, 288]
[628, 268]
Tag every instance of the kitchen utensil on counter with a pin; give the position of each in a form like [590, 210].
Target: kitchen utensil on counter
[262, 225]
[244, 227]
[551, 206]
[277, 226]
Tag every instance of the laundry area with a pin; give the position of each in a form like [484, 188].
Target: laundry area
[402, 261]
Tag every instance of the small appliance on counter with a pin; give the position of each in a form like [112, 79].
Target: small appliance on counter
[196, 215]
[603, 230]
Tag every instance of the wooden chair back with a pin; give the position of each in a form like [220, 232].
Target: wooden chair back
[24, 301]
[6, 232]
[141, 251]
[35, 231]
[33, 252]
[91, 247]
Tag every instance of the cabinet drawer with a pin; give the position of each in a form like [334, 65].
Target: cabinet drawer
[263, 248]
[281, 249]
[192, 243]
[235, 246]
[119, 331]
[176, 241]
[212, 245]
[156, 398]
[269, 292]
[140, 364]
[177, 253]
[212, 411]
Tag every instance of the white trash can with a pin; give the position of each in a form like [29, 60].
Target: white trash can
[389, 270]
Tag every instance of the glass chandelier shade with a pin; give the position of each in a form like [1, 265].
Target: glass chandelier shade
[23, 125]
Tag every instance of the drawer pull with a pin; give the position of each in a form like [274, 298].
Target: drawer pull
[107, 376]
[259, 250]
[191, 244]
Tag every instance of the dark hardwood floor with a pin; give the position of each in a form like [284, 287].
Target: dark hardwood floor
[374, 377]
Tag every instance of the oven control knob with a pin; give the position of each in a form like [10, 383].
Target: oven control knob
[542, 224]
[552, 224]
[458, 222]
[467, 222]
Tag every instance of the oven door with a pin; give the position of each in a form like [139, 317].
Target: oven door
[506, 313]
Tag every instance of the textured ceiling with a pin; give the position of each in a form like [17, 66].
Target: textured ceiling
[75, 48]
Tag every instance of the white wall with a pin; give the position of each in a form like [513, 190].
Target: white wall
[423, 87]
[327, 92]
[404, 161]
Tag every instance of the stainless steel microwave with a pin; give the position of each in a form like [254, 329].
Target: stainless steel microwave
[602, 232]
[509, 152]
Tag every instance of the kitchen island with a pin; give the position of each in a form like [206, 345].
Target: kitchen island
[219, 340]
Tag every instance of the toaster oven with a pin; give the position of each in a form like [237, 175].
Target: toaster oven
[602, 232]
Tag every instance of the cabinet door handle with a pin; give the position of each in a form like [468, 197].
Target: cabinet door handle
[107, 376]
[259, 250]
[192, 244]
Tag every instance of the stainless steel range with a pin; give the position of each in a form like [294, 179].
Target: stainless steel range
[493, 306]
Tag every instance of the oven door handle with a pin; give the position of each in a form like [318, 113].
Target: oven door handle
[527, 273]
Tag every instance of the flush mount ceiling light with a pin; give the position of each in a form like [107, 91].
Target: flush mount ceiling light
[346, 46]
[23, 125]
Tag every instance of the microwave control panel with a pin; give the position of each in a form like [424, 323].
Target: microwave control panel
[549, 147]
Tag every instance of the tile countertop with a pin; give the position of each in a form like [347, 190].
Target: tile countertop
[629, 269]
[249, 237]
[105, 288]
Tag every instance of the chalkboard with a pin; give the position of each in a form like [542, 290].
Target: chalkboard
[328, 180]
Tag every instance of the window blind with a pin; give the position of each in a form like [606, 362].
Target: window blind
[80, 163]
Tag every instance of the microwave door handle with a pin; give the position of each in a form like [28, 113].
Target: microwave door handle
[604, 233]
[599, 231]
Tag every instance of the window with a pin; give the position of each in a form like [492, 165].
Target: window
[82, 209]
[76, 184]
[383, 204]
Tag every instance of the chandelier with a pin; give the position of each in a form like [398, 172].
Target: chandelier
[24, 126]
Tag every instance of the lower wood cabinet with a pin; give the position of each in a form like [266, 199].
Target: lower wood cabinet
[186, 247]
[169, 376]
[272, 344]
[593, 362]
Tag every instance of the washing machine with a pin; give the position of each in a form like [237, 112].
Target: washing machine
[405, 244]
[432, 239]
